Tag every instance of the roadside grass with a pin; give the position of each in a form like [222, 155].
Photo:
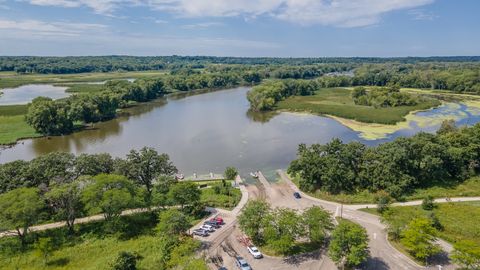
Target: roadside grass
[459, 219]
[468, 188]
[13, 128]
[338, 102]
[210, 198]
[91, 247]
[9, 80]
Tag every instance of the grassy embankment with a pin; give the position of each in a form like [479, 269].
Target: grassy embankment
[469, 188]
[12, 124]
[90, 248]
[459, 221]
[12, 118]
[374, 123]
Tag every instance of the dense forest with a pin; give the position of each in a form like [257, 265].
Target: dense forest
[397, 167]
[72, 64]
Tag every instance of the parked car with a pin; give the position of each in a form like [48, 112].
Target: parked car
[255, 252]
[242, 264]
[222, 268]
[297, 195]
[207, 228]
[200, 232]
[219, 220]
[212, 223]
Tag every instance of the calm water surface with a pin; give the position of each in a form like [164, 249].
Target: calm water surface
[202, 133]
[26, 93]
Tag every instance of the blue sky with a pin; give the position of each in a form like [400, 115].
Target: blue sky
[286, 28]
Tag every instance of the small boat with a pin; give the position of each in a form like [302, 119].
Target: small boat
[254, 174]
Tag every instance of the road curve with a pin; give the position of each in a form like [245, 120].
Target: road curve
[383, 254]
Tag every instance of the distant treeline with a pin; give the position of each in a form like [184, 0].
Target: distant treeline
[397, 167]
[80, 64]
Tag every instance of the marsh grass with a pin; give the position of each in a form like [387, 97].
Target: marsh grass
[338, 102]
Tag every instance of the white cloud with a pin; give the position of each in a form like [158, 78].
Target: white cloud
[36, 27]
[341, 13]
[422, 15]
[202, 25]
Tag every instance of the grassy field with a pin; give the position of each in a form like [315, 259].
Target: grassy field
[13, 128]
[9, 79]
[459, 220]
[469, 188]
[220, 200]
[82, 88]
[91, 248]
[338, 102]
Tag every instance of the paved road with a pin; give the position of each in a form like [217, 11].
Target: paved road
[384, 256]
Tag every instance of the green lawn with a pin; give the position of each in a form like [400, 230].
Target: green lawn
[220, 200]
[469, 188]
[459, 220]
[13, 128]
[338, 102]
[90, 248]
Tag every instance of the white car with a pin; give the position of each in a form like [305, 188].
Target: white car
[207, 228]
[255, 252]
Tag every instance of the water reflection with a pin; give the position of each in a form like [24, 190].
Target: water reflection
[201, 133]
[26, 93]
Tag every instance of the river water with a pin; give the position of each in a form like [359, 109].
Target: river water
[26, 93]
[204, 133]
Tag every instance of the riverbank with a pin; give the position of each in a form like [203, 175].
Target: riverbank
[339, 103]
[13, 127]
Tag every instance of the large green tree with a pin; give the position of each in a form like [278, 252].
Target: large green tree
[185, 193]
[349, 244]
[145, 166]
[318, 223]
[49, 117]
[419, 238]
[109, 194]
[251, 219]
[20, 209]
[65, 199]
[172, 222]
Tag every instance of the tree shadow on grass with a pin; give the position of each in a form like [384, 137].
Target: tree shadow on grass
[300, 258]
[439, 259]
[59, 262]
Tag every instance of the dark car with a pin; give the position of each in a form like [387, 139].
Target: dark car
[297, 195]
[222, 268]
[200, 232]
[212, 223]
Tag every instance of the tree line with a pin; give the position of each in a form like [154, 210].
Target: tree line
[264, 96]
[397, 167]
[60, 186]
[79, 64]
[383, 97]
